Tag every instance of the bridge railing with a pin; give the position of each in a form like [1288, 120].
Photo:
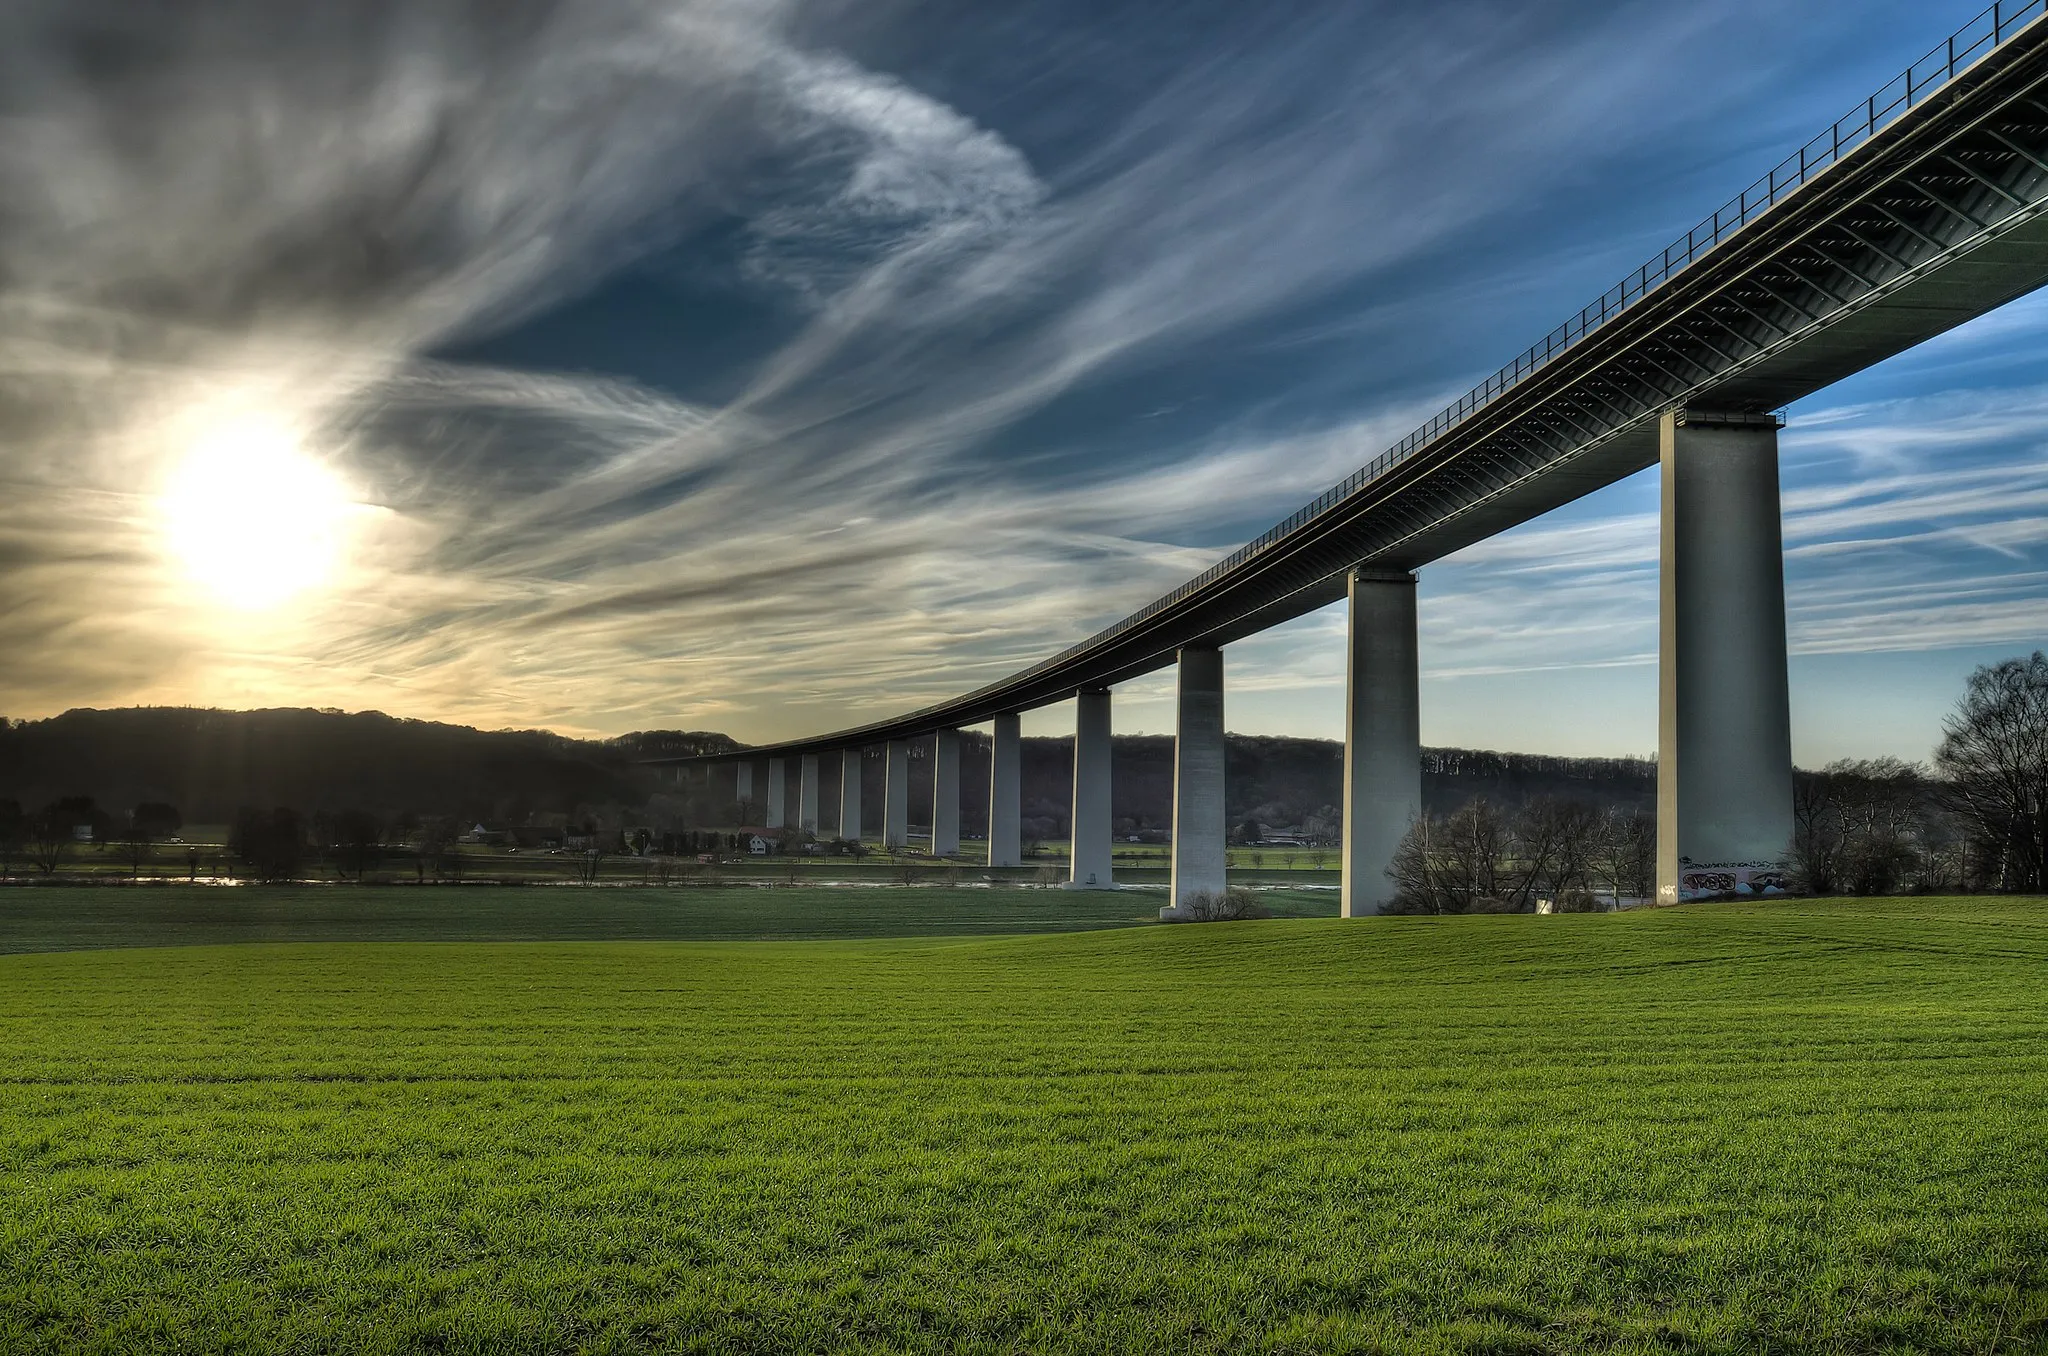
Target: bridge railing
[1969, 44]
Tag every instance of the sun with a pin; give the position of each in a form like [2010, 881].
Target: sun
[253, 517]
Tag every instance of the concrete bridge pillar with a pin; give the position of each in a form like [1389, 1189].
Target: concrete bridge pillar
[850, 761]
[807, 794]
[1382, 735]
[1199, 831]
[946, 794]
[1005, 793]
[743, 775]
[1724, 719]
[778, 791]
[1090, 827]
[896, 794]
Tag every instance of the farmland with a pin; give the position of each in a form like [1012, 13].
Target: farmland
[1795, 1126]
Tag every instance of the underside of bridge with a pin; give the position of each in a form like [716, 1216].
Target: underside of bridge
[1921, 209]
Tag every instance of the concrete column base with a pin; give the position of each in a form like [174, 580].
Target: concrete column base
[1200, 849]
[849, 794]
[946, 794]
[896, 794]
[778, 792]
[1090, 827]
[1724, 715]
[1005, 794]
[1382, 736]
[807, 794]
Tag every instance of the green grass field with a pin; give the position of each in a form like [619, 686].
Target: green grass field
[1794, 1127]
[71, 917]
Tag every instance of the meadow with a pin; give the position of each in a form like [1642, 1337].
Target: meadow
[70, 917]
[1795, 1126]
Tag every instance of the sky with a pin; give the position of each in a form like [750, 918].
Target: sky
[773, 367]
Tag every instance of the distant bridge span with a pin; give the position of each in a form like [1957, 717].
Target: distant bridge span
[1924, 207]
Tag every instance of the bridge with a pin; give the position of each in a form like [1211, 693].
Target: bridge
[1921, 208]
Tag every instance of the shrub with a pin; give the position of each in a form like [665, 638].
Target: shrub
[1231, 906]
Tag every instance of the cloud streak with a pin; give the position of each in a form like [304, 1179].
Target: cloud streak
[930, 472]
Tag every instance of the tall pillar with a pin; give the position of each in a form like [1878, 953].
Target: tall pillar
[807, 794]
[849, 794]
[1724, 717]
[1382, 735]
[778, 788]
[743, 789]
[1199, 858]
[896, 794]
[1090, 827]
[1005, 793]
[946, 794]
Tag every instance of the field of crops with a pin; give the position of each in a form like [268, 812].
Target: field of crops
[1786, 1127]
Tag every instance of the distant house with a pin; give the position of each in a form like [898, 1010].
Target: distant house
[81, 833]
[578, 840]
[758, 845]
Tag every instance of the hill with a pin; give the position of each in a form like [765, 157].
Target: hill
[208, 763]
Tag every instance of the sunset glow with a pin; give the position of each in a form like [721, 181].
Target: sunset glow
[253, 517]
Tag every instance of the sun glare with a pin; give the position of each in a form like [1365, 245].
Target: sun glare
[253, 517]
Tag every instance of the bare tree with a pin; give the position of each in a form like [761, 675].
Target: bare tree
[49, 839]
[356, 835]
[1994, 762]
[1628, 854]
[1570, 834]
[1414, 872]
[1883, 810]
[139, 846]
[1474, 840]
[13, 833]
[1452, 864]
[1817, 833]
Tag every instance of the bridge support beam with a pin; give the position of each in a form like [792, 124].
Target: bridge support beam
[1382, 735]
[1005, 793]
[1090, 826]
[1200, 858]
[743, 776]
[1724, 721]
[896, 794]
[807, 794]
[778, 792]
[850, 761]
[946, 794]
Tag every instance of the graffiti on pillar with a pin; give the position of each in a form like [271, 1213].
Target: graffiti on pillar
[1712, 880]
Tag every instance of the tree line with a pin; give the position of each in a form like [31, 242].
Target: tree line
[1978, 820]
[1578, 832]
